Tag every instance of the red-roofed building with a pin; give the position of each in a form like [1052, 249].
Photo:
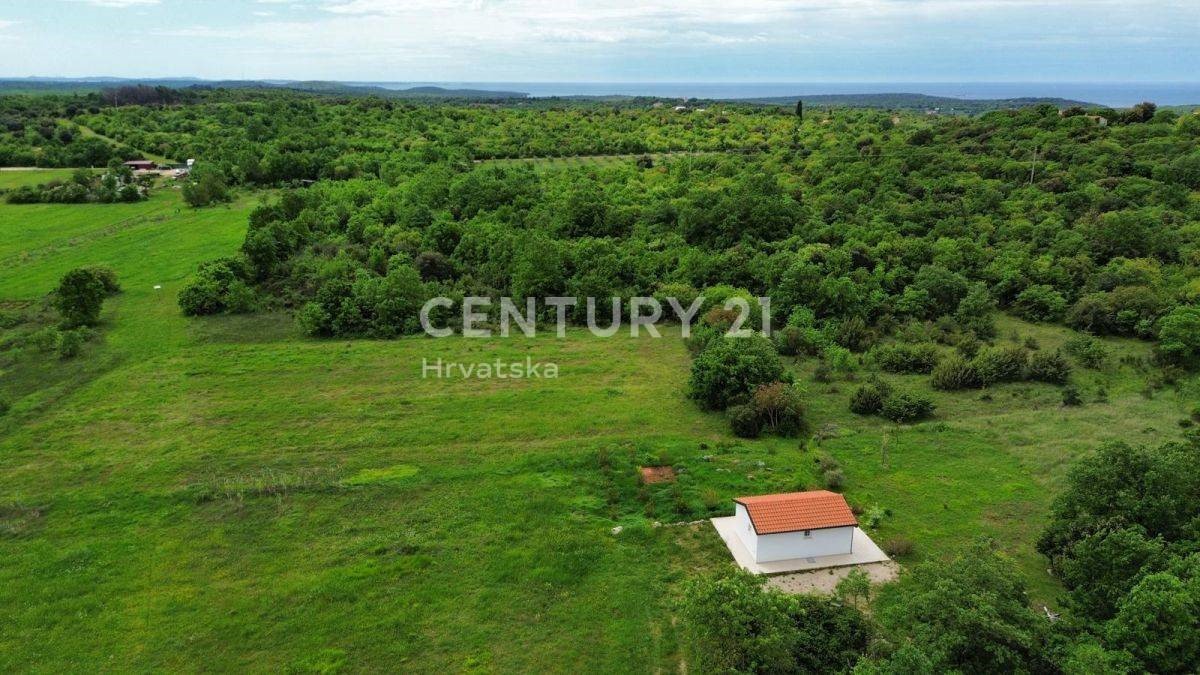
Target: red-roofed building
[795, 525]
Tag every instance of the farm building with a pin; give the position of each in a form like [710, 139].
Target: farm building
[796, 530]
[141, 165]
[795, 525]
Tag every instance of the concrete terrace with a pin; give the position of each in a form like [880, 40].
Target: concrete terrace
[865, 552]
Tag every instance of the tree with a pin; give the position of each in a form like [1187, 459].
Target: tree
[80, 296]
[1100, 569]
[734, 624]
[730, 369]
[1157, 623]
[800, 111]
[1120, 485]
[1040, 303]
[205, 185]
[780, 408]
[855, 587]
[969, 614]
[1179, 336]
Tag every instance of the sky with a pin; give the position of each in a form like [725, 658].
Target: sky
[606, 41]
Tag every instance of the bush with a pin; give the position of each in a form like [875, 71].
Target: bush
[954, 374]
[907, 407]
[5, 406]
[108, 279]
[898, 546]
[219, 286]
[730, 369]
[779, 409]
[1050, 367]
[903, 358]
[1179, 337]
[868, 399]
[1001, 364]
[834, 479]
[734, 623]
[205, 186]
[80, 296]
[70, 342]
[744, 421]
[1070, 396]
[1087, 350]
[791, 341]
[1040, 303]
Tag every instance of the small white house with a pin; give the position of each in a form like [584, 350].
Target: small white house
[795, 525]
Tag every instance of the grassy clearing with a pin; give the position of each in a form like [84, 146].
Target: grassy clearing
[224, 492]
[11, 179]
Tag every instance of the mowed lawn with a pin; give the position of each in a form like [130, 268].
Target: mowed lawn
[222, 493]
[15, 178]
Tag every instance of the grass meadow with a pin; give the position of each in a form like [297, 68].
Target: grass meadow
[221, 493]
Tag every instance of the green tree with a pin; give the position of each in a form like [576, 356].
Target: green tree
[80, 296]
[730, 369]
[969, 614]
[1179, 336]
[1157, 623]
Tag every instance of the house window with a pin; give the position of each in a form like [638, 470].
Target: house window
[808, 534]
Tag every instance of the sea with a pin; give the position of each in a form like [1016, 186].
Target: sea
[1115, 94]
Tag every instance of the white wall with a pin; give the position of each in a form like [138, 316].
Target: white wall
[745, 529]
[787, 545]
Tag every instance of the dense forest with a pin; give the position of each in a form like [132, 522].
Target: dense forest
[881, 237]
[860, 226]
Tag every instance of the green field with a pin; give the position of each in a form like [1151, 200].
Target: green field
[15, 178]
[223, 494]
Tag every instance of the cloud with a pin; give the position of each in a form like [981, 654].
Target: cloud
[545, 39]
[119, 4]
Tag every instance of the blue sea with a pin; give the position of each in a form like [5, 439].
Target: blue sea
[1116, 94]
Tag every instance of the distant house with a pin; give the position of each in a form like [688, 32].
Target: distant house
[795, 525]
[681, 108]
[1100, 121]
[141, 165]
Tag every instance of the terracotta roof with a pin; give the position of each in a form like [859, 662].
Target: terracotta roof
[794, 511]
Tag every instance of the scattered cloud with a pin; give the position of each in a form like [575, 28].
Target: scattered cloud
[119, 4]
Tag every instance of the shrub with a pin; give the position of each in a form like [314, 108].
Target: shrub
[868, 399]
[1050, 367]
[80, 296]
[70, 342]
[790, 341]
[906, 407]
[5, 406]
[1001, 364]
[107, 278]
[1070, 396]
[823, 373]
[840, 359]
[834, 479]
[734, 623]
[205, 186]
[730, 369]
[954, 374]
[898, 546]
[1040, 303]
[219, 286]
[1087, 350]
[903, 358]
[779, 409]
[1179, 337]
[744, 421]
